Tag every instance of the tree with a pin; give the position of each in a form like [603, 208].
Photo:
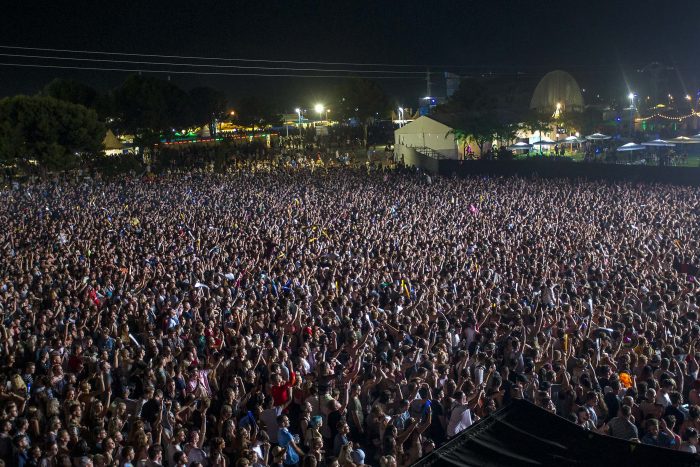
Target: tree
[481, 128]
[146, 106]
[50, 133]
[477, 116]
[586, 122]
[537, 122]
[257, 112]
[364, 100]
[204, 104]
[471, 96]
[71, 91]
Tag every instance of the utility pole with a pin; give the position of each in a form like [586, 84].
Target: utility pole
[427, 80]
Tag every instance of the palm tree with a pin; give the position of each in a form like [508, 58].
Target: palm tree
[538, 122]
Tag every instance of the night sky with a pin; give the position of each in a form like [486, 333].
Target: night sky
[598, 42]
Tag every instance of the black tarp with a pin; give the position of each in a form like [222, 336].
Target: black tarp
[522, 434]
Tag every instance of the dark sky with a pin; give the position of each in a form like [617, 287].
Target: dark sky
[594, 40]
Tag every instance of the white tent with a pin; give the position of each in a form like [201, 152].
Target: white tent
[519, 146]
[659, 143]
[425, 133]
[535, 140]
[572, 140]
[597, 137]
[631, 147]
[112, 145]
[204, 132]
[685, 140]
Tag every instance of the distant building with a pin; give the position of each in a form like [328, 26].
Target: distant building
[557, 89]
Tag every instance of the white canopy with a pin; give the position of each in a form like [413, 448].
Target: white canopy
[519, 146]
[572, 139]
[543, 140]
[597, 137]
[659, 143]
[631, 147]
[685, 140]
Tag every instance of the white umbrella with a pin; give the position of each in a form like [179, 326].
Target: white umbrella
[659, 143]
[572, 139]
[597, 137]
[519, 146]
[685, 140]
[696, 136]
[544, 140]
[631, 147]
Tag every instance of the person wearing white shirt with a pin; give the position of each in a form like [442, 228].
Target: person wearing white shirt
[460, 417]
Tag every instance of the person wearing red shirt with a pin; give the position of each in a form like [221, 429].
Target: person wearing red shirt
[279, 389]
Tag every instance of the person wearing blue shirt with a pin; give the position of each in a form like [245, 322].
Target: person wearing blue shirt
[658, 434]
[286, 440]
[21, 450]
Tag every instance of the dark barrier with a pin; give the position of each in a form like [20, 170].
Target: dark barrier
[569, 169]
[522, 434]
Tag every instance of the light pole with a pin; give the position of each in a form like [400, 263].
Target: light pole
[298, 111]
[630, 96]
[557, 114]
[319, 110]
[400, 117]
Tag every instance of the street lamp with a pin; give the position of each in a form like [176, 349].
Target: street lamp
[557, 114]
[298, 111]
[400, 116]
[631, 98]
[319, 110]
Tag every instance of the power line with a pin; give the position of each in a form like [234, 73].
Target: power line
[188, 57]
[185, 72]
[483, 69]
[204, 65]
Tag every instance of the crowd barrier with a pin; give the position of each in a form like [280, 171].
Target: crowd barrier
[564, 169]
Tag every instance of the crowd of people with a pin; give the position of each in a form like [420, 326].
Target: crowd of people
[337, 316]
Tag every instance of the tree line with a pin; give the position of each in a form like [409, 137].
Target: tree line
[64, 124]
[481, 115]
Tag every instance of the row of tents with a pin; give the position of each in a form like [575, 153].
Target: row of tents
[599, 137]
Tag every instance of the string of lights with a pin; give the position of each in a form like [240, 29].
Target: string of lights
[668, 117]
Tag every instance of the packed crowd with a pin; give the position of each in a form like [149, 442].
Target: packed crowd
[340, 317]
